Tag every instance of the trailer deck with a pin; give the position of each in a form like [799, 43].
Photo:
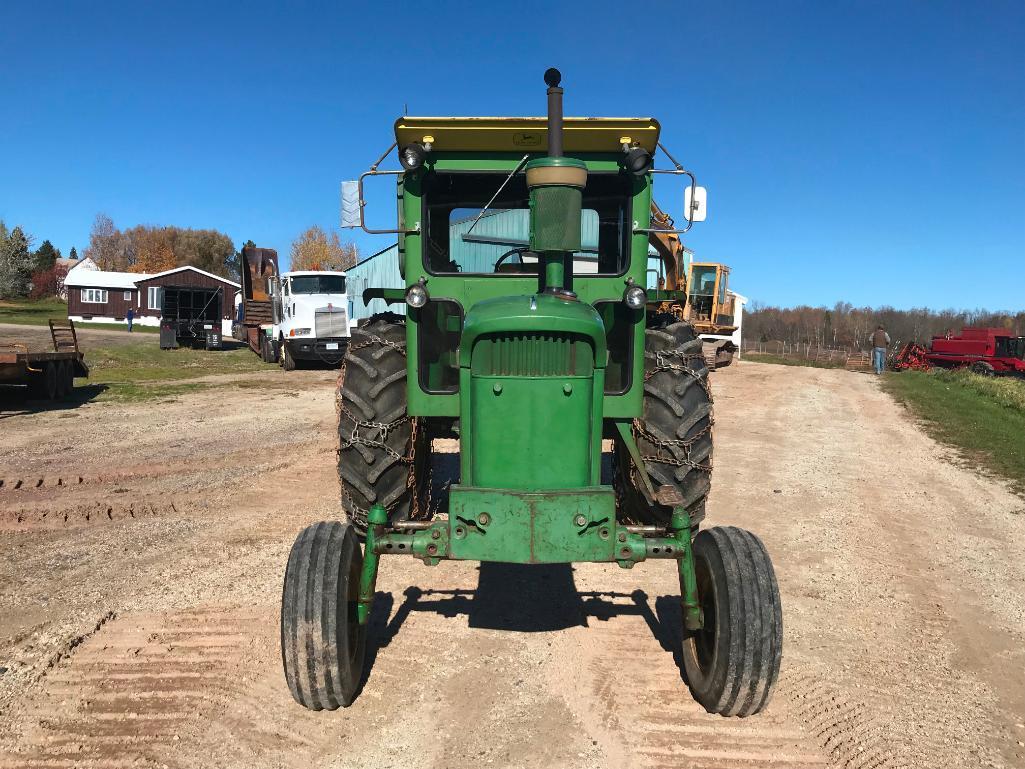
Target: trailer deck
[50, 374]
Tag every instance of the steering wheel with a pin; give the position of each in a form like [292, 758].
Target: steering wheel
[510, 252]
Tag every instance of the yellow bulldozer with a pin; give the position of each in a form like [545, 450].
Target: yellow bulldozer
[697, 292]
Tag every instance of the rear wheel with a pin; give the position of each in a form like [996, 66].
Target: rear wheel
[381, 451]
[674, 435]
[732, 663]
[65, 379]
[322, 643]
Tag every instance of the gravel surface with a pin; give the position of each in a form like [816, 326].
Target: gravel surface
[142, 549]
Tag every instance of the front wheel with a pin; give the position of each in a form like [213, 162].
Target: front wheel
[322, 643]
[732, 663]
[287, 361]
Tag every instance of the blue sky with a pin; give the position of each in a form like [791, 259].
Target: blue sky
[872, 152]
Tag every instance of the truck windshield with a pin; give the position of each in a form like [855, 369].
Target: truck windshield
[498, 242]
[318, 284]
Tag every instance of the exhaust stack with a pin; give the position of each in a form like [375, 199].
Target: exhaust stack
[556, 186]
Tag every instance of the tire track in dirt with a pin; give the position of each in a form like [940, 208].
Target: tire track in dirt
[87, 514]
[624, 674]
[131, 691]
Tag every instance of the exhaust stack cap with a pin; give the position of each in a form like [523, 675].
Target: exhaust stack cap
[552, 77]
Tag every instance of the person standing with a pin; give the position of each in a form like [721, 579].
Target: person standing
[879, 340]
[130, 316]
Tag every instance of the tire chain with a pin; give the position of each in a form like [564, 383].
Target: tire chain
[664, 362]
[355, 438]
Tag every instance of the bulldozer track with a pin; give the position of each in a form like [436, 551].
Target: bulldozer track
[87, 514]
[128, 692]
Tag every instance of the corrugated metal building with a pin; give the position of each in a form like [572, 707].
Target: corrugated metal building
[495, 233]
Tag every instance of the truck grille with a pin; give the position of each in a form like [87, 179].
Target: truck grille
[331, 323]
[533, 354]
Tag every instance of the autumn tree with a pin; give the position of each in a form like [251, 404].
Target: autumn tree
[314, 249]
[48, 282]
[107, 246]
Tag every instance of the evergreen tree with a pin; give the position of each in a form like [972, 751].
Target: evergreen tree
[46, 256]
[16, 263]
[73, 254]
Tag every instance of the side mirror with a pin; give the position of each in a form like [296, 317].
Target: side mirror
[352, 211]
[695, 204]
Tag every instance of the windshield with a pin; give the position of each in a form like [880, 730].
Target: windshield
[318, 284]
[498, 242]
[703, 283]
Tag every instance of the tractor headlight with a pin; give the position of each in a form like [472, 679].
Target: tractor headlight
[416, 295]
[412, 156]
[635, 297]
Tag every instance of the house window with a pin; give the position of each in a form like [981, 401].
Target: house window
[94, 295]
[128, 296]
[155, 295]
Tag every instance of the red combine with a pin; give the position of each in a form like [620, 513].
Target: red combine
[984, 350]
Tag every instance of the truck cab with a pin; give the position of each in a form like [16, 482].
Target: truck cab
[311, 318]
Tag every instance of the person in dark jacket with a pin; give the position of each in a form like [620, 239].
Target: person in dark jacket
[879, 340]
[130, 316]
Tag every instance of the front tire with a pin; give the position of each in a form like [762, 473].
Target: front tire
[732, 663]
[323, 646]
[287, 361]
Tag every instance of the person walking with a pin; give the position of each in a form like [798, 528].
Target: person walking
[130, 316]
[879, 340]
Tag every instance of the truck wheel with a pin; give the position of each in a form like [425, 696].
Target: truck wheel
[322, 643]
[674, 434]
[733, 662]
[265, 354]
[287, 361]
[381, 454]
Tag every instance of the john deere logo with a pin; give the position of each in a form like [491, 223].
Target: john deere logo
[526, 139]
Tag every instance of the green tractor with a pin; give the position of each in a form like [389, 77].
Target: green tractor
[529, 336]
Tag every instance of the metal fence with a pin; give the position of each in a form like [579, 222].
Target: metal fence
[841, 357]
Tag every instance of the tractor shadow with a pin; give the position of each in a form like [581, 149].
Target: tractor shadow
[526, 599]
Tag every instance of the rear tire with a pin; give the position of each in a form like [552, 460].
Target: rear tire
[733, 662]
[323, 646]
[675, 433]
[65, 379]
[378, 466]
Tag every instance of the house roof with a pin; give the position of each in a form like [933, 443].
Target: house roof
[101, 279]
[187, 267]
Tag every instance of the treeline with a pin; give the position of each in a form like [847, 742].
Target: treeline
[24, 272]
[846, 326]
[149, 248]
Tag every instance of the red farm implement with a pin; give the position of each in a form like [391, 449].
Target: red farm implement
[987, 351]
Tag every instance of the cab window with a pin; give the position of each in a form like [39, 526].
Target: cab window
[498, 242]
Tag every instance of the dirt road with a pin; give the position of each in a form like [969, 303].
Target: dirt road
[142, 548]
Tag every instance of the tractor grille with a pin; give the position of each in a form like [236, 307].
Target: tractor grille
[533, 354]
[331, 323]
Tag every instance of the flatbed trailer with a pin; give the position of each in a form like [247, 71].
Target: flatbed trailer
[49, 375]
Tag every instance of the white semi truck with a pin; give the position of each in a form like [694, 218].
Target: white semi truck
[293, 316]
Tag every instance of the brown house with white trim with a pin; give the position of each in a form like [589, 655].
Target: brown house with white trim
[104, 297]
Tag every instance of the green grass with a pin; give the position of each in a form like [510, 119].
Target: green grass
[982, 417]
[764, 357]
[30, 312]
[139, 370]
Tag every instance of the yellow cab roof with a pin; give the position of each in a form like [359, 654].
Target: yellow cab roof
[526, 134]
